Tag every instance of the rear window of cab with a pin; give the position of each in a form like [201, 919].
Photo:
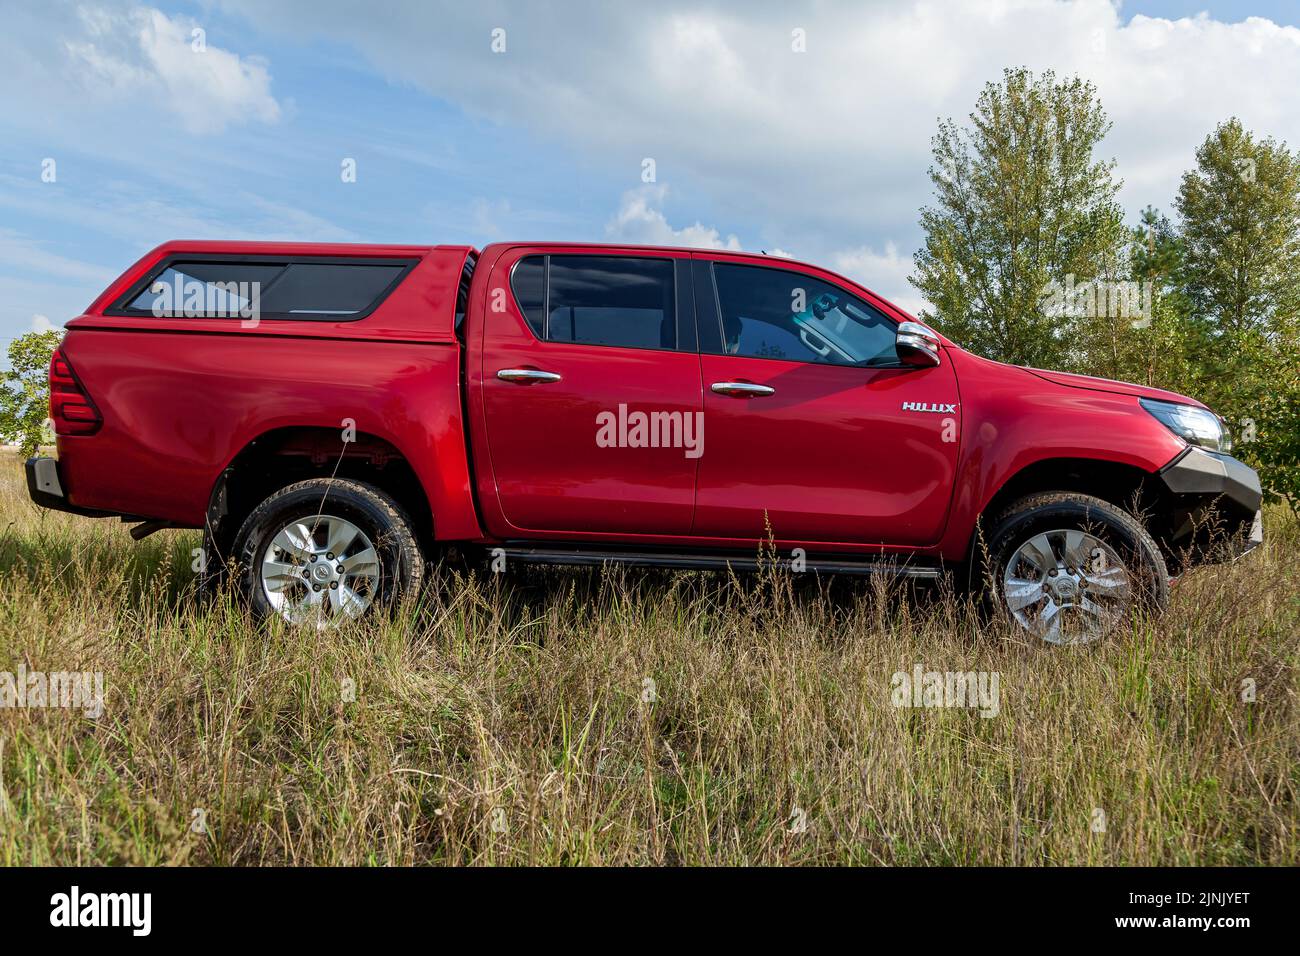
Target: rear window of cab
[610, 300]
[308, 288]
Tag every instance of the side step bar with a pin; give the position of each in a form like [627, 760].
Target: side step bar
[737, 562]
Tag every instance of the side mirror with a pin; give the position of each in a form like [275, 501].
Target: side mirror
[917, 346]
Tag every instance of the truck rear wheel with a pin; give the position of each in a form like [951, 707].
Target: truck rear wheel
[1068, 568]
[326, 550]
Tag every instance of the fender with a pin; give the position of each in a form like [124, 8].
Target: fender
[1013, 419]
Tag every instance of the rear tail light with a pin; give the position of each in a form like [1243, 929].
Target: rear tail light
[71, 409]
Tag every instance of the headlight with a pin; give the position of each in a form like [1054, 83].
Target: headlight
[1196, 426]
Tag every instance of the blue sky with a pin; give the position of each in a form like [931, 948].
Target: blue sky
[1286, 12]
[820, 153]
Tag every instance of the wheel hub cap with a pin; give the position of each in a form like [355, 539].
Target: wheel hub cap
[1066, 586]
[320, 569]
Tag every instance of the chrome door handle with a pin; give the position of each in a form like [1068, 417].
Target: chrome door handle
[526, 376]
[742, 389]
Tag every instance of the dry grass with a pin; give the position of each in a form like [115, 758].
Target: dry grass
[504, 721]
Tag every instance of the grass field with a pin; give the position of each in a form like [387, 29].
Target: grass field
[641, 718]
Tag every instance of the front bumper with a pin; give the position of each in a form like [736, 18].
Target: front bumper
[45, 488]
[1199, 472]
[1215, 505]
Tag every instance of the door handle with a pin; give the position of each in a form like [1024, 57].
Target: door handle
[527, 376]
[742, 389]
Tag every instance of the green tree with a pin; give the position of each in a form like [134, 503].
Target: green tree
[25, 393]
[1240, 211]
[1151, 347]
[1020, 203]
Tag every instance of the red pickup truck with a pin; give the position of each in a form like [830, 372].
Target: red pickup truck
[333, 416]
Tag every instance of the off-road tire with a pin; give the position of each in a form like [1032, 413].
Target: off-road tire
[1051, 511]
[380, 518]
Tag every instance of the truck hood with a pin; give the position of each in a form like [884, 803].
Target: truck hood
[1071, 380]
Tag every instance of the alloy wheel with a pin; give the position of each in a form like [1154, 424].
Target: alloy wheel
[320, 569]
[1066, 586]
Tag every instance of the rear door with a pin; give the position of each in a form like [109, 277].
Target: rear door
[591, 392]
[812, 428]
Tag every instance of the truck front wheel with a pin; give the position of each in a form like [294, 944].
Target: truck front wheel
[326, 550]
[1068, 568]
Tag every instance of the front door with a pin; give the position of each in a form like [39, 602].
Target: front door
[814, 430]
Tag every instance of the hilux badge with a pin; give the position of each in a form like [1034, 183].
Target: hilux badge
[939, 407]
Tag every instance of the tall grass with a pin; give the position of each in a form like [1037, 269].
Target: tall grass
[558, 717]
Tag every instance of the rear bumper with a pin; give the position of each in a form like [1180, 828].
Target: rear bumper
[46, 489]
[1217, 505]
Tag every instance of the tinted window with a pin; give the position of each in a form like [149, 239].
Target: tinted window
[327, 288]
[775, 313]
[238, 289]
[205, 289]
[528, 282]
[599, 300]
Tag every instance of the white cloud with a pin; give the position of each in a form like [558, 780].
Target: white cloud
[884, 273]
[134, 61]
[823, 150]
[144, 53]
[42, 323]
[640, 221]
